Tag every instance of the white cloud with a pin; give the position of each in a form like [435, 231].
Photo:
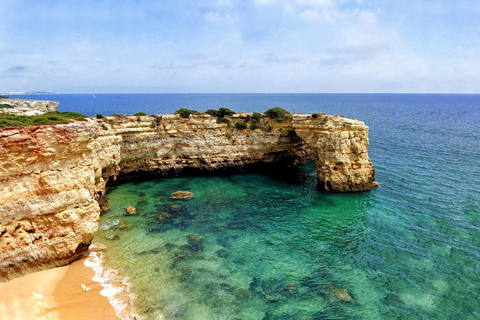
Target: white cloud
[86, 47]
[315, 3]
[218, 17]
[315, 15]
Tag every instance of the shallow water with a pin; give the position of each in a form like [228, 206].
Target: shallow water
[273, 247]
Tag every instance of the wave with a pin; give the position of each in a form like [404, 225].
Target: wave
[115, 288]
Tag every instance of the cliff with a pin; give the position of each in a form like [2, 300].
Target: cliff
[27, 107]
[53, 178]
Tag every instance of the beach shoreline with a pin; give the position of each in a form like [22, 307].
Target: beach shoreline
[78, 290]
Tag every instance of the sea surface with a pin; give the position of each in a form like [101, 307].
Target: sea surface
[273, 247]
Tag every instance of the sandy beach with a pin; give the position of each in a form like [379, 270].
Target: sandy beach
[65, 293]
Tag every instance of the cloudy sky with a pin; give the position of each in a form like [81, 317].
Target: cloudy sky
[285, 46]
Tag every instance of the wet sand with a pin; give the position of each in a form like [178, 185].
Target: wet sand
[55, 294]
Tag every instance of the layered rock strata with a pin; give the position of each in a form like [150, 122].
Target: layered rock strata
[53, 178]
[27, 107]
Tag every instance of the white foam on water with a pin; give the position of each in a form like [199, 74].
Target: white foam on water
[115, 288]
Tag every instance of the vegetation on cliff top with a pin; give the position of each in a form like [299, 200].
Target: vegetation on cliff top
[185, 113]
[6, 106]
[278, 114]
[12, 120]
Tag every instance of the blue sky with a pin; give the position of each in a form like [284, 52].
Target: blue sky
[284, 46]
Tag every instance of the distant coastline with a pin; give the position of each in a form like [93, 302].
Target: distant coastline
[25, 92]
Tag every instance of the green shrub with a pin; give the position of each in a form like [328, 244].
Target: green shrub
[222, 112]
[4, 97]
[228, 134]
[140, 114]
[278, 114]
[256, 116]
[212, 112]
[254, 125]
[241, 125]
[100, 116]
[104, 127]
[119, 115]
[6, 106]
[12, 120]
[268, 128]
[224, 120]
[185, 113]
[314, 115]
[153, 125]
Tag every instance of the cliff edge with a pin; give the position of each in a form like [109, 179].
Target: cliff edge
[53, 178]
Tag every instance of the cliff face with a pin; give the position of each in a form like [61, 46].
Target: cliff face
[340, 151]
[48, 215]
[28, 107]
[53, 178]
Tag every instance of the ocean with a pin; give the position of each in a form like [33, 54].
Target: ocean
[273, 247]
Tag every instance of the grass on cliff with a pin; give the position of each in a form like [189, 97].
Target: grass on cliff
[12, 120]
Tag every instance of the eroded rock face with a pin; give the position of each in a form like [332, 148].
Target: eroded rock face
[28, 107]
[48, 214]
[53, 178]
[340, 151]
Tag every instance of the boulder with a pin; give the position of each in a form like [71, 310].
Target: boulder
[195, 243]
[181, 195]
[130, 211]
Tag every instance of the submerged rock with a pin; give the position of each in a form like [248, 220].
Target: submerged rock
[130, 211]
[164, 216]
[222, 253]
[111, 236]
[119, 224]
[142, 203]
[340, 293]
[195, 243]
[181, 195]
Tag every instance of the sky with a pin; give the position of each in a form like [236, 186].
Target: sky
[233, 46]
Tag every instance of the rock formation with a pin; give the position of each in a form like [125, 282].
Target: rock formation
[53, 178]
[28, 107]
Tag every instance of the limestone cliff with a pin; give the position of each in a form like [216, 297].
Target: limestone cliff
[53, 178]
[27, 107]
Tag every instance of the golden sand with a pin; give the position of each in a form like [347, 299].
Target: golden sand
[65, 293]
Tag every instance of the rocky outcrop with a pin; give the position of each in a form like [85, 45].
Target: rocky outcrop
[340, 151]
[48, 214]
[27, 107]
[53, 178]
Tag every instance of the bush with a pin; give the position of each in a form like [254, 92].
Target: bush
[140, 114]
[12, 120]
[222, 112]
[256, 116]
[223, 120]
[6, 106]
[241, 125]
[228, 134]
[212, 112]
[314, 115]
[254, 125]
[278, 114]
[185, 113]
[268, 128]
[100, 116]
[4, 97]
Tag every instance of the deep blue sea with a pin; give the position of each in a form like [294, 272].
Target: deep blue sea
[275, 248]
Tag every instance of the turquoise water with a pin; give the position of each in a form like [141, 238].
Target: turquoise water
[273, 247]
